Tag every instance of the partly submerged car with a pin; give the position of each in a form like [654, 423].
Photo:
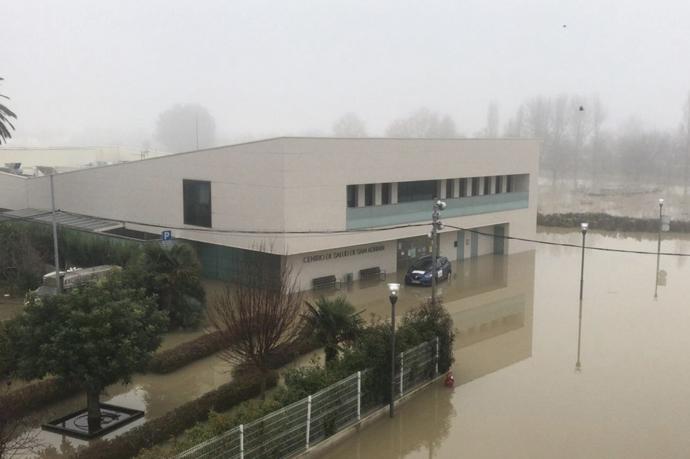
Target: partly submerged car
[420, 271]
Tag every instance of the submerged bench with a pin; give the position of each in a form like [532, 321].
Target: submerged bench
[324, 282]
[371, 273]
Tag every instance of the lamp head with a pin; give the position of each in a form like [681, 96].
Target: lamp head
[584, 227]
[394, 288]
[661, 201]
[440, 204]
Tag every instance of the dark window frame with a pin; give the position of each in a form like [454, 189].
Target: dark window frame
[369, 194]
[450, 188]
[475, 186]
[386, 193]
[193, 211]
[417, 190]
[351, 195]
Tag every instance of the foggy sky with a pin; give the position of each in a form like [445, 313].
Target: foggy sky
[86, 72]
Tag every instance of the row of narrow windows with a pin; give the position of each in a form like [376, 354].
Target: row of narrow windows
[423, 190]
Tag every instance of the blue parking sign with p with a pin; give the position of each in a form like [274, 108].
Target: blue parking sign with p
[166, 235]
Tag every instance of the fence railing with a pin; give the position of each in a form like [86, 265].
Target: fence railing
[295, 428]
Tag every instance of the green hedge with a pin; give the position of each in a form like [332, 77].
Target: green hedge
[606, 222]
[185, 353]
[36, 395]
[370, 350]
[174, 422]
[40, 393]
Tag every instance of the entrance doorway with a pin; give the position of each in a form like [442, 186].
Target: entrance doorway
[412, 248]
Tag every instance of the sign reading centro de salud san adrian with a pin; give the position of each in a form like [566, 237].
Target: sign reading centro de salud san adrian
[343, 253]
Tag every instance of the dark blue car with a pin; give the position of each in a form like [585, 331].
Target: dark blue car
[420, 271]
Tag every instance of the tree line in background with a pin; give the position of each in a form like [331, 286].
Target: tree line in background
[579, 147]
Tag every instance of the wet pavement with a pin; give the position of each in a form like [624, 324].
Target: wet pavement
[519, 394]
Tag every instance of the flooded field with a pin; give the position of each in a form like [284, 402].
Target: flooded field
[519, 394]
[627, 199]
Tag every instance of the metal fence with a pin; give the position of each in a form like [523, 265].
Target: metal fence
[295, 428]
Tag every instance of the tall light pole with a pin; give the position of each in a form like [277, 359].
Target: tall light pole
[393, 297]
[658, 245]
[583, 228]
[436, 225]
[58, 278]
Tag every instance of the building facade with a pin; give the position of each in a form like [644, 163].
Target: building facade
[325, 206]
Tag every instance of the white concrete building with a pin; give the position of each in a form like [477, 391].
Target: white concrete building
[327, 206]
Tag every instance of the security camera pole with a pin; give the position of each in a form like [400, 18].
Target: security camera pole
[436, 225]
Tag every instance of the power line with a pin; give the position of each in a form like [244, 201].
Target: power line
[241, 232]
[565, 244]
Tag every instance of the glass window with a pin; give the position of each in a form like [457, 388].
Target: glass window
[197, 202]
[499, 183]
[450, 183]
[416, 191]
[475, 186]
[463, 187]
[511, 180]
[385, 193]
[352, 196]
[369, 194]
[487, 185]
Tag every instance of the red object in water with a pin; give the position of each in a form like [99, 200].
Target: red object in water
[450, 379]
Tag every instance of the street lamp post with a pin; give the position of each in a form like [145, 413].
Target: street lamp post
[436, 225]
[583, 228]
[658, 245]
[393, 297]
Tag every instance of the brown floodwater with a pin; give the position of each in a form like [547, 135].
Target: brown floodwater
[518, 393]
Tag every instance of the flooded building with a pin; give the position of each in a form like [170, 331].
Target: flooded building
[331, 208]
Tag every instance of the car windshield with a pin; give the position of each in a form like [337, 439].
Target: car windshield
[422, 264]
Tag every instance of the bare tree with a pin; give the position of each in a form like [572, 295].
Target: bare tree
[597, 118]
[492, 121]
[349, 125]
[685, 126]
[423, 124]
[259, 317]
[186, 127]
[580, 131]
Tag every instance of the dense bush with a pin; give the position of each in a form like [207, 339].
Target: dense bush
[370, 351]
[26, 252]
[21, 265]
[606, 222]
[174, 422]
[173, 275]
[36, 395]
[185, 353]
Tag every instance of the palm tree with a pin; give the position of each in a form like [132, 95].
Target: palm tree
[333, 321]
[5, 115]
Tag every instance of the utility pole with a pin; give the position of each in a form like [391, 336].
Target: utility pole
[436, 226]
[58, 278]
[658, 245]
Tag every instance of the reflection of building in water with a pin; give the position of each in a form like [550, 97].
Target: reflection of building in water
[491, 302]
